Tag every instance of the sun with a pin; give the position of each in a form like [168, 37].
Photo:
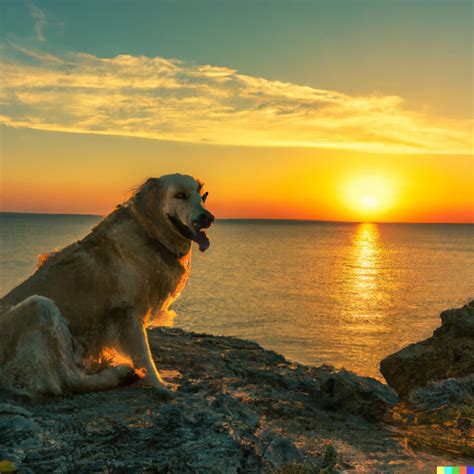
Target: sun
[368, 197]
[369, 202]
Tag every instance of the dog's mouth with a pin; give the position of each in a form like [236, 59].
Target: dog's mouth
[196, 234]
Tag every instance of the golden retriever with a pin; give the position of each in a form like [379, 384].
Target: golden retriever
[93, 300]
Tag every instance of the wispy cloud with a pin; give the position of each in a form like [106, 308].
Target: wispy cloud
[167, 99]
[40, 22]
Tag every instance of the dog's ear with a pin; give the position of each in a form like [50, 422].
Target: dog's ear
[147, 195]
[150, 182]
[204, 196]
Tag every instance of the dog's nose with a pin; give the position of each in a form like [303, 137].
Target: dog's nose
[205, 219]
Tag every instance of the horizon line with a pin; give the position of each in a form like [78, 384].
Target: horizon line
[268, 219]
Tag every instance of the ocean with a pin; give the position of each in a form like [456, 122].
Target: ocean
[337, 293]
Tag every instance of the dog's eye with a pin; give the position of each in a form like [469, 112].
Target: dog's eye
[182, 196]
[204, 197]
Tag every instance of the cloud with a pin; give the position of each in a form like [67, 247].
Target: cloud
[40, 22]
[167, 99]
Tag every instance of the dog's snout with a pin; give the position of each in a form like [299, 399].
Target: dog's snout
[205, 219]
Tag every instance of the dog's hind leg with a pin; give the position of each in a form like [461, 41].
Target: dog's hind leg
[37, 353]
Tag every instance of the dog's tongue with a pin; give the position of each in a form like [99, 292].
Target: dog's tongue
[201, 238]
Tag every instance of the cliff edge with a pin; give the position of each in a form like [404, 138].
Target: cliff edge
[238, 408]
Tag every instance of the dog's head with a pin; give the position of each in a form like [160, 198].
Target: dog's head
[174, 209]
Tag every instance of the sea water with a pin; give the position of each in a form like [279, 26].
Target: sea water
[337, 293]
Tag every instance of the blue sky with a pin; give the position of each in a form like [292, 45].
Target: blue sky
[420, 50]
[312, 107]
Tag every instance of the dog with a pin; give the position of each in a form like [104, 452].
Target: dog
[89, 304]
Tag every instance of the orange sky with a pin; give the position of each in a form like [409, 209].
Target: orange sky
[78, 173]
[347, 111]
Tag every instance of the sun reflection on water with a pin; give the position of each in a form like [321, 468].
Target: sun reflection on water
[365, 282]
[366, 257]
[364, 279]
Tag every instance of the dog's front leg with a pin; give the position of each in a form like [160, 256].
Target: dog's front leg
[134, 343]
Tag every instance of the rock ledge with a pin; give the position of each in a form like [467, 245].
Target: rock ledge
[238, 408]
[449, 353]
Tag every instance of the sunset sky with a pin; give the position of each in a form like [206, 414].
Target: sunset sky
[334, 110]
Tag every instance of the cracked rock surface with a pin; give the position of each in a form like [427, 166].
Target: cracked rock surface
[238, 408]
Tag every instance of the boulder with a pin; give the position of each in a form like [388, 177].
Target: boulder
[447, 393]
[350, 393]
[439, 417]
[449, 353]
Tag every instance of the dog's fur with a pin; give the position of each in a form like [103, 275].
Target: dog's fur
[95, 298]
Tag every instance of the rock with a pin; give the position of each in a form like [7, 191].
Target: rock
[350, 393]
[329, 459]
[449, 353]
[19, 435]
[16, 428]
[448, 392]
[440, 416]
[9, 409]
[280, 452]
[435, 377]
[238, 408]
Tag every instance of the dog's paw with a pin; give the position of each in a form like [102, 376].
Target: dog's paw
[163, 392]
[160, 390]
[125, 373]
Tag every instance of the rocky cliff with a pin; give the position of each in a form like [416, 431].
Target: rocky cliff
[238, 408]
[435, 379]
[449, 353]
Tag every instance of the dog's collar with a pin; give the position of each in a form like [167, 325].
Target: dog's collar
[168, 255]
